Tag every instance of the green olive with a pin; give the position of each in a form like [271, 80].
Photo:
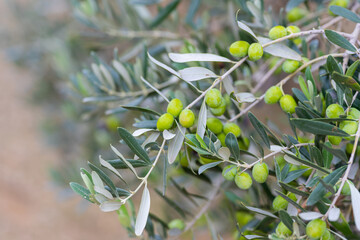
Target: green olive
[232, 128]
[255, 52]
[290, 66]
[295, 14]
[165, 122]
[334, 111]
[214, 125]
[243, 180]
[315, 228]
[260, 172]
[239, 49]
[288, 104]
[220, 110]
[282, 230]
[273, 95]
[335, 140]
[277, 32]
[175, 107]
[187, 118]
[213, 98]
[177, 223]
[229, 172]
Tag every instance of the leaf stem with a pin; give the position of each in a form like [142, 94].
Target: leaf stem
[144, 179]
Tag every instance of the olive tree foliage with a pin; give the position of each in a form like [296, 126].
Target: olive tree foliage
[177, 54]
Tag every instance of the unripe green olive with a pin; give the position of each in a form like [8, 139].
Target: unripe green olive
[187, 118]
[204, 160]
[354, 113]
[343, 123]
[260, 172]
[334, 110]
[279, 203]
[112, 123]
[243, 218]
[239, 49]
[213, 98]
[243, 180]
[277, 32]
[214, 125]
[183, 161]
[221, 138]
[282, 230]
[227, 99]
[287, 103]
[255, 51]
[165, 122]
[295, 14]
[175, 107]
[232, 128]
[177, 223]
[280, 161]
[327, 235]
[292, 29]
[272, 64]
[290, 66]
[273, 95]
[350, 128]
[308, 172]
[349, 148]
[229, 172]
[297, 41]
[345, 190]
[220, 110]
[244, 143]
[335, 140]
[341, 3]
[315, 228]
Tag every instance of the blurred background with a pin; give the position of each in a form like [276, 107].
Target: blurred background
[34, 201]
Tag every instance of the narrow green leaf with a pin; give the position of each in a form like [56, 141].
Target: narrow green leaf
[327, 155]
[294, 175]
[345, 81]
[232, 143]
[286, 219]
[164, 13]
[307, 163]
[293, 190]
[332, 65]
[303, 87]
[140, 109]
[118, 163]
[82, 191]
[292, 202]
[203, 168]
[345, 13]
[352, 69]
[259, 128]
[320, 190]
[316, 127]
[336, 152]
[183, 212]
[339, 40]
[104, 177]
[133, 144]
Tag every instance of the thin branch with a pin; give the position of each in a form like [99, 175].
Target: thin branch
[346, 174]
[282, 82]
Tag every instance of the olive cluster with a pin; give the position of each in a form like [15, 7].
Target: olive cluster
[242, 48]
[350, 127]
[243, 180]
[315, 229]
[274, 95]
[174, 110]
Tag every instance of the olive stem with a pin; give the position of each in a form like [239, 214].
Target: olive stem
[283, 81]
[144, 179]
